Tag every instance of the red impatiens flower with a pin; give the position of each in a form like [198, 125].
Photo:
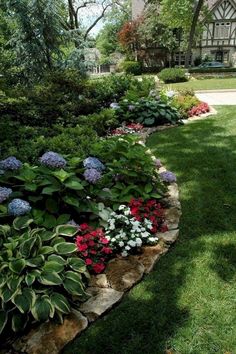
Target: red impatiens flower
[88, 261]
[98, 268]
[107, 250]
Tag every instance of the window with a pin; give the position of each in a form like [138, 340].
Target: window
[222, 30]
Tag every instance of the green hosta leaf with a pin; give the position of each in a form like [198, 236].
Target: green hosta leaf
[74, 183]
[52, 266]
[3, 320]
[57, 240]
[66, 230]
[73, 287]
[47, 235]
[7, 294]
[18, 322]
[14, 282]
[49, 221]
[29, 279]
[17, 266]
[60, 303]
[73, 276]
[62, 175]
[51, 189]
[65, 248]
[57, 259]
[77, 264]
[22, 303]
[46, 250]
[22, 222]
[2, 281]
[74, 201]
[149, 121]
[148, 188]
[27, 246]
[50, 278]
[63, 219]
[41, 309]
[36, 262]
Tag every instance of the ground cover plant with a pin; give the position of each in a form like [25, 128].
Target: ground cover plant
[181, 306]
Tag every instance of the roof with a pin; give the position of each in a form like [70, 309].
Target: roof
[211, 3]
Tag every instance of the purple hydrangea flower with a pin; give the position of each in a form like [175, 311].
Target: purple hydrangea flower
[168, 177]
[5, 193]
[158, 163]
[91, 175]
[93, 162]
[11, 163]
[18, 207]
[52, 159]
[114, 105]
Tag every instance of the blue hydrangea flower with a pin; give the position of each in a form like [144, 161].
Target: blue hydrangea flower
[52, 159]
[11, 163]
[93, 162]
[92, 176]
[5, 193]
[18, 207]
[168, 177]
[114, 105]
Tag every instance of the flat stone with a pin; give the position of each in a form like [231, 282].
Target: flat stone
[173, 191]
[149, 256]
[50, 338]
[172, 216]
[123, 273]
[101, 300]
[162, 169]
[99, 281]
[169, 237]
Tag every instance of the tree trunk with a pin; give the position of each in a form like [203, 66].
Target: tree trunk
[196, 14]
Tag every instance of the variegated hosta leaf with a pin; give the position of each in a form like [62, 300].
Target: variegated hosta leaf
[42, 309]
[77, 264]
[66, 230]
[51, 278]
[65, 248]
[3, 320]
[60, 303]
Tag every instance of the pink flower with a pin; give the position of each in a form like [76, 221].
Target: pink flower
[88, 261]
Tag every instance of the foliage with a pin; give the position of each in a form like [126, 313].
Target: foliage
[148, 112]
[173, 75]
[184, 103]
[132, 67]
[40, 274]
[139, 88]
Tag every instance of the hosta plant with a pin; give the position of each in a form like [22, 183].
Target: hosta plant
[41, 274]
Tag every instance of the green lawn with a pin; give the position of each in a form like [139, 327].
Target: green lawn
[206, 84]
[188, 303]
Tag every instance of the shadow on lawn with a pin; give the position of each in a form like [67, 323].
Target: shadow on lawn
[202, 156]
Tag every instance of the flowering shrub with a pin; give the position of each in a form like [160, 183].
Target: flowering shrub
[184, 102]
[93, 162]
[53, 160]
[92, 175]
[5, 193]
[168, 177]
[18, 207]
[200, 109]
[93, 247]
[11, 163]
[151, 210]
[126, 233]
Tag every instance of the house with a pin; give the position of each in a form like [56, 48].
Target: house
[218, 40]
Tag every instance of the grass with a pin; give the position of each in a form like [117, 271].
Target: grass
[187, 304]
[206, 84]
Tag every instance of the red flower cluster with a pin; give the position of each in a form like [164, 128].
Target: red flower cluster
[93, 247]
[135, 126]
[119, 131]
[151, 210]
[200, 109]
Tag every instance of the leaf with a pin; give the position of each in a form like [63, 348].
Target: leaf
[14, 282]
[51, 189]
[52, 266]
[149, 121]
[60, 303]
[58, 259]
[22, 302]
[8, 294]
[46, 250]
[52, 278]
[63, 219]
[74, 183]
[27, 246]
[29, 279]
[71, 200]
[41, 309]
[18, 322]
[36, 261]
[52, 205]
[47, 235]
[22, 222]
[49, 221]
[62, 175]
[32, 187]
[65, 248]
[66, 230]
[3, 320]
[17, 266]
[73, 276]
[148, 188]
[77, 264]
[73, 287]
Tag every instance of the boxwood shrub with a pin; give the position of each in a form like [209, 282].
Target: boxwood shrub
[172, 75]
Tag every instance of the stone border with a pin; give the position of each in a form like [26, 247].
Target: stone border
[106, 289]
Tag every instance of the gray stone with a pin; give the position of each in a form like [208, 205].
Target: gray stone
[123, 273]
[50, 338]
[101, 300]
[172, 216]
[99, 281]
[169, 237]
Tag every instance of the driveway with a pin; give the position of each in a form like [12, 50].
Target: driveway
[218, 97]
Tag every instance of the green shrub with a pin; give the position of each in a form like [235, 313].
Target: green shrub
[173, 75]
[212, 70]
[40, 274]
[139, 89]
[100, 122]
[184, 104]
[132, 67]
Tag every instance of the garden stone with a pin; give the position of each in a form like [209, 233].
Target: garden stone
[172, 216]
[169, 237]
[99, 281]
[101, 300]
[149, 256]
[123, 273]
[50, 338]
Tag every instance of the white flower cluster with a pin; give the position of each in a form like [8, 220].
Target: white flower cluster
[125, 232]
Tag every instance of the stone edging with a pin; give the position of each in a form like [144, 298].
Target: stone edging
[106, 289]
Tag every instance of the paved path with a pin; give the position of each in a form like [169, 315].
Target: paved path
[218, 97]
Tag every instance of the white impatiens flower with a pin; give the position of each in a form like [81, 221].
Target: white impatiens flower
[127, 211]
[121, 244]
[145, 234]
[127, 248]
[153, 239]
[132, 243]
[124, 254]
[121, 207]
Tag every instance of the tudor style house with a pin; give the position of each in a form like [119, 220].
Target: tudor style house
[218, 41]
